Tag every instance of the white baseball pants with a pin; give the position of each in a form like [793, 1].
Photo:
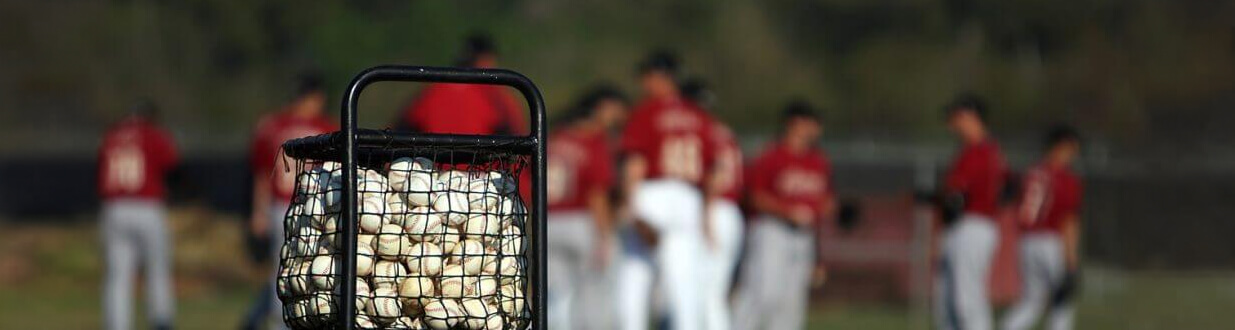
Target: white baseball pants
[775, 281]
[577, 298]
[635, 275]
[1042, 270]
[960, 286]
[718, 265]
[135, 230]
[675, 210]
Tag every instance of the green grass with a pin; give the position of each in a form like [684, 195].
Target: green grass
[49, 279]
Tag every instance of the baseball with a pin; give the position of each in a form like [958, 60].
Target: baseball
[386, 271]
[373, 175]
[407, 323]
[469, 254]
[511, 241]
[413, 289]
[313, 206]
[300, 280]
[451, 202]
[481, 225]
[386, 305]
[421, 224]
[299, 311]
[511, 205]
[364, 294]
[453, 281]
[451, 180]
[366, 240]
[364, 322]
[309, 182]
[322, 270]
[391, 244]
[331, 194]
[418, 187]
[371, 218]
[396, 208]
[507, 269]
[483, 287]
[364, 260]
[449, 238]
[370, 189]
[483, 202]
[477, 312]
[425, 259]
[511, 300]
[403, 168]
[502, 184]
[442, 314]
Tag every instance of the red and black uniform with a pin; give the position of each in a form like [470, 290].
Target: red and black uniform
[978, 175]
[134, 159]
[579, 163]
[1052, 194]
[675, 138]
[265, 156]
[797, 180]
[466, 109]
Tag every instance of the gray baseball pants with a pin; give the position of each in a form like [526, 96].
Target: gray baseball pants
[135, 232]
[960, 284]
[580, 295]
[1042, 270]
[775, 278]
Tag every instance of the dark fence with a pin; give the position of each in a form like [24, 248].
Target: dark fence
[1147, 220]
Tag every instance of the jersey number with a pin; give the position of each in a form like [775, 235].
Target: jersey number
[126, 172]
[682, 157]
[558, 181]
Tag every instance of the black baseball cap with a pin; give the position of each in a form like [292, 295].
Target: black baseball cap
[967, 102]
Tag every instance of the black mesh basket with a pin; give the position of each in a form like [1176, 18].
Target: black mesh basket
[396, 230]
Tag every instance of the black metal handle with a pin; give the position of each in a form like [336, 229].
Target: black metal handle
[537, 137]
[446, 75]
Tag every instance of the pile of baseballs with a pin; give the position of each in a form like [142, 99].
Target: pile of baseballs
[436, 248]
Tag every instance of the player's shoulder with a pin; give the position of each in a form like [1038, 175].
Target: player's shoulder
[269, 121]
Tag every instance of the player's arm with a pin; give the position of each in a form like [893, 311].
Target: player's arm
[1071, 241]
[261, 204]
[260, 158]
[602, 213]
[599, 202]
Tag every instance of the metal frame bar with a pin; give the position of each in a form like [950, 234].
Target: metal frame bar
[354, 138]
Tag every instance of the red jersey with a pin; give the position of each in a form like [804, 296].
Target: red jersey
[466, 109]
[978, 174]
[272, 130]
[1051, 195]
[796, 179]
[728, 162]
[133, 160]
[673, 136]
[578, 163]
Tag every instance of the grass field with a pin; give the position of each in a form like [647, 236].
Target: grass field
[49, 279]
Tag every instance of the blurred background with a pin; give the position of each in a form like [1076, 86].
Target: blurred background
[1149, 83]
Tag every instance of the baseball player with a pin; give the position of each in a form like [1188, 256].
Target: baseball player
[581, 178]
[135, 158]
[668, 150]
[273, 184]
[473, 109]
[467, 108]
[725, 216]
[1049, 236]
[791, 192]
[971, 192]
